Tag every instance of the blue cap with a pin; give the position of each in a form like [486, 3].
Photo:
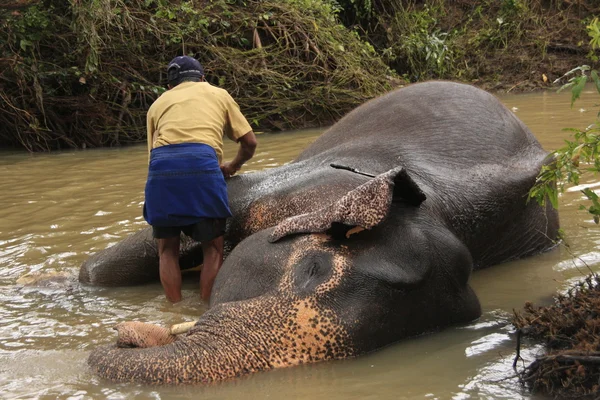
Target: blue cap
[184, 67]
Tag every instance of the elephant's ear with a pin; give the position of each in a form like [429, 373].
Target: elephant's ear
[361, 208]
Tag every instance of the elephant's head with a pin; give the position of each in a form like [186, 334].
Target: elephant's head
[363, 272]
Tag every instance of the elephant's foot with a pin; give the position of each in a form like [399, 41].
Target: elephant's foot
[142, 335]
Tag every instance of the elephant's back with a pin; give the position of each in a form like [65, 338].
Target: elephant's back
[440, 122]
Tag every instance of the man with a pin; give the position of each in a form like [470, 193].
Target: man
[186, 190]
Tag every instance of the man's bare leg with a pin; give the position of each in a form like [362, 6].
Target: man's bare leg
[170, 274]
[213, 259]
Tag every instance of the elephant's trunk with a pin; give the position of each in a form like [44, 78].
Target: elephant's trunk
[231, 340]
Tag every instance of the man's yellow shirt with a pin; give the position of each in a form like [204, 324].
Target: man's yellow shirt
[195, 112]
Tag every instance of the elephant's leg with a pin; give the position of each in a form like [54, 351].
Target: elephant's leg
[134, 260]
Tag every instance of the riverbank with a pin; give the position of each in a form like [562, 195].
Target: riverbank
[80, 76]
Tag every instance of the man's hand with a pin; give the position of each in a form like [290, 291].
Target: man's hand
[245, 152]
[229, 169]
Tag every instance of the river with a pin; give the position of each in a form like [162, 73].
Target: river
[57, 209]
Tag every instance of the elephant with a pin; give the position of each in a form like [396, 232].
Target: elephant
[429, 182]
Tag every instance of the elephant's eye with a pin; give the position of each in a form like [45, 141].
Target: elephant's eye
[312, 271]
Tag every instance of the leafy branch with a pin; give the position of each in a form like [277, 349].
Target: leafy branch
[581, 154]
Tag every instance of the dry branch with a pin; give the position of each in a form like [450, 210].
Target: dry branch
[17, 4]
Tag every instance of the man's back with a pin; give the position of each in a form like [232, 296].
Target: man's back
[195, 112]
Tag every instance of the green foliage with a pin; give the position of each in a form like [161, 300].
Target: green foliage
[580, 155]
[513, 8]
[354, 11]
[593, 29]
[417, 42]
[428, 54]
[31, 28]
[577, 83]
[503, 27]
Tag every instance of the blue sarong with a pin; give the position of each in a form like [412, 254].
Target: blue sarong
[184, 186]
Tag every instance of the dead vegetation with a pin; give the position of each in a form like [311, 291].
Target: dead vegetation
[570, 331]
[82, 74]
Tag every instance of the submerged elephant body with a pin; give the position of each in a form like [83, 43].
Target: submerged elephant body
[328, 263]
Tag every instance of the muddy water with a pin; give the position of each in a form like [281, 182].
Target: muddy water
[57, 209]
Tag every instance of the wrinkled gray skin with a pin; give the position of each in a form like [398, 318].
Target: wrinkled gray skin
[309, 288]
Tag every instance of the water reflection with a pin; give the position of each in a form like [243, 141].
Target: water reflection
[59, 208]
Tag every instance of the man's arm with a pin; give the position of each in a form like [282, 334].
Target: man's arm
[245, 152]
[149, 133]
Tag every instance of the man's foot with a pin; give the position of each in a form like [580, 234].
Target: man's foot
[173, 297]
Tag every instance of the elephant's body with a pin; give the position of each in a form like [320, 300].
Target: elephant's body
[328, 263]
[473, 158]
